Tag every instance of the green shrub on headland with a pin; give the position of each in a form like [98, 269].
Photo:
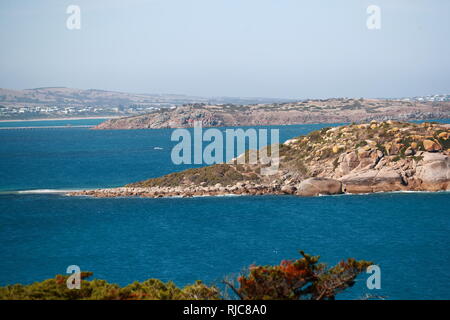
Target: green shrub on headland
[211, 175]
[304, 278]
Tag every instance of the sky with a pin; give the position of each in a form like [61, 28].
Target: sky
[246, 48]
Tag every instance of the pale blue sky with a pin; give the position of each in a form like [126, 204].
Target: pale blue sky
[269, 48]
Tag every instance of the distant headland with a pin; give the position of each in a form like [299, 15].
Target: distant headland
[337, 110]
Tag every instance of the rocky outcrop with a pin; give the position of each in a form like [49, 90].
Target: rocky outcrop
[372, 180]
[430, 145]
[319, 186]
[289, 189]
[358, 158]
[433, 172]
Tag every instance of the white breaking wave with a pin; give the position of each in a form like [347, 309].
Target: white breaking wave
[40, 191]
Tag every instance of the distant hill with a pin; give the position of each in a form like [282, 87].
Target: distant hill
[93, 97]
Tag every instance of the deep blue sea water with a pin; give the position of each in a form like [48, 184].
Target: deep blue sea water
[127, 239]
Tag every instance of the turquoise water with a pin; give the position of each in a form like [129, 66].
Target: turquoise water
[127, 239]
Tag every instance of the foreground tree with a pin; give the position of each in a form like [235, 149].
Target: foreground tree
[304, 278]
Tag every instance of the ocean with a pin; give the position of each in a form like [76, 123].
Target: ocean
[123, 240]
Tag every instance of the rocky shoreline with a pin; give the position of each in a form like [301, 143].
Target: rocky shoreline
[180, 192]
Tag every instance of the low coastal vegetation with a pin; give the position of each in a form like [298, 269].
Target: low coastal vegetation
[304, 278]
[206, 176]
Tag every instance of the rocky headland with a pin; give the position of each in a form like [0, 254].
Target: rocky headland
[359, 158]
[310, 111]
